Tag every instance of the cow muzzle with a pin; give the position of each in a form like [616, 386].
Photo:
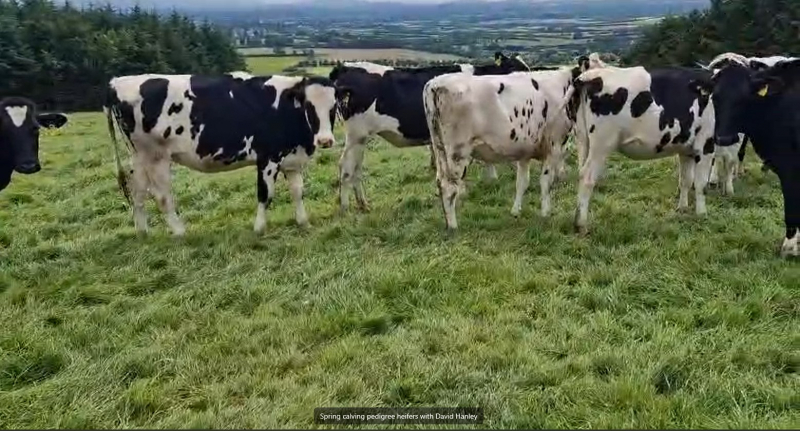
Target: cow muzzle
[28, 168]
[325, 142]
[727, 141]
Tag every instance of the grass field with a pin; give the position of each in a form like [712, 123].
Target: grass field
[656, 320]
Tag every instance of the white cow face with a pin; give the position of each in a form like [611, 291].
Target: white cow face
[318, 97]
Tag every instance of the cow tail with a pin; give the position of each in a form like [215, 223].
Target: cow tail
[438, 101]
[113, 122]
[576, 113]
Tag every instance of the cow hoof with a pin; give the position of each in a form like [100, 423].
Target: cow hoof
[365, 208]
[304, 224]
[682, 209]
[581, 230]
[515, 213]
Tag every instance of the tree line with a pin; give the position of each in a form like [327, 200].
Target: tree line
[748, 27]
[62, 57]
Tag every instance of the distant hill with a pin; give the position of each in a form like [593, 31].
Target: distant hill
[421, 9]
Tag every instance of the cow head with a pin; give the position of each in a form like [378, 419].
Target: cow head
[337, 71]
[583, 63]
[317, 96]
[758, 65]
[734, 89]
[19, 132]
[510, 64]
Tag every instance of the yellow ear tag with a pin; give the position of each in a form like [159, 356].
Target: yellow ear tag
[763, 91]
[497, 61]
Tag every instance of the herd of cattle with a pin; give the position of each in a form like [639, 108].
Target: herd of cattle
[502, 112]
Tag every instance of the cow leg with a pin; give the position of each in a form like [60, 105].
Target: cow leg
[741, 154]
[791, 210]
[523, 181]
[295, 179]
[350, 172]
[686, 177]
[265, 186]
[139, 184]
[713, 178]
[552, 168]
[700, 182]
[590, 173]
[561, 169]
[450, 179]
[728, 173]
[490, 172]
[161, 189]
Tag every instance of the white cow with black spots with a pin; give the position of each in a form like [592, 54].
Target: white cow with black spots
[213, 124]
[643, 114]
[497, 119]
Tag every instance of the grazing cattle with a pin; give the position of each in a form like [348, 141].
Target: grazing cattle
[19, 136]
[384, 101]
[730, 165]
[213, 124]
[643, 114]
[497, 118]
[764, 105]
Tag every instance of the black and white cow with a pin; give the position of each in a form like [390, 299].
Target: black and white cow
[19, 136]
[730, 159]
[497, 118]
[384, 101]
[643, 114]
[213, 124]
[764, 105]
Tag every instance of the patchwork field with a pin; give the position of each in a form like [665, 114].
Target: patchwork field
[656, 320]
[363, 54]
[270, 65]
[275, 65]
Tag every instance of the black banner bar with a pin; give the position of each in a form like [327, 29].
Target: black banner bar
[398, 416]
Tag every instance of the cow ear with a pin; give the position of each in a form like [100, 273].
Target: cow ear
[297, 93]
[757, 65]
[769, 86]
[499, 57]
[702, 87]
[51, 121]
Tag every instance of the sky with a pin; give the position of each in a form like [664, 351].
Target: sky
[238, 2]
